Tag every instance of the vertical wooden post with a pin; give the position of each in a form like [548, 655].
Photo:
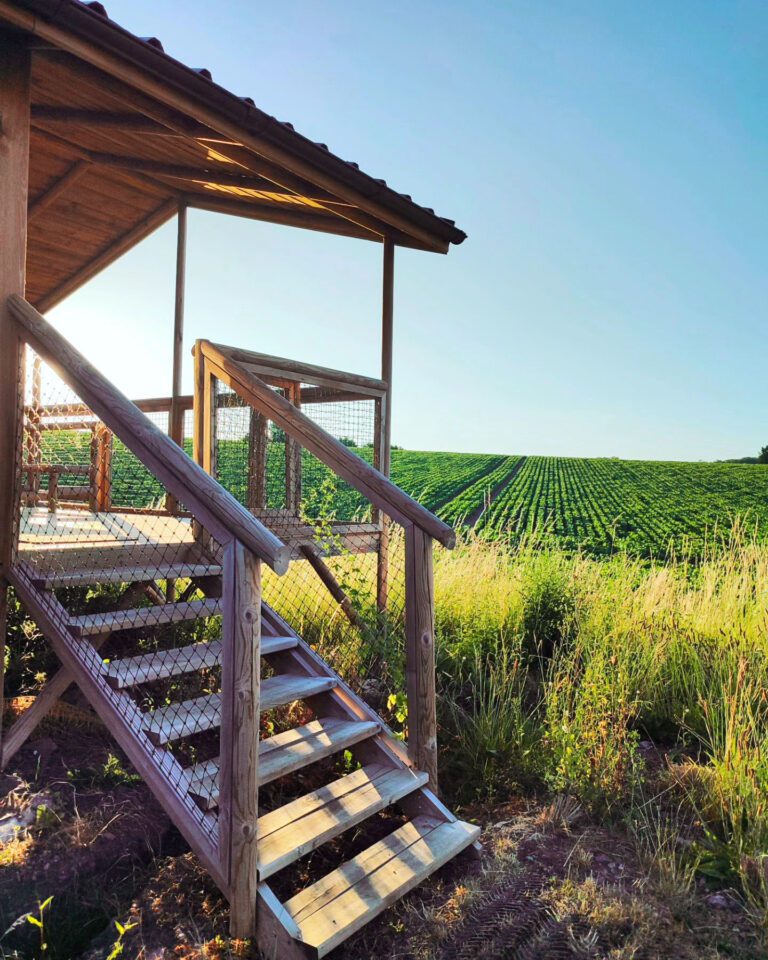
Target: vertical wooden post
[93, 470]
[176, 423]
[202, 426]
[104, 475]
[34, 438]
[257, 461]
[176, 414]
[383, 438]
[239, 749]
[387, 320]
[420, 652]
[3, 636]
[14, 187]
[14, 174]
[293, 458]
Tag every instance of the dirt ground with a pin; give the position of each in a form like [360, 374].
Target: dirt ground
[77, 826]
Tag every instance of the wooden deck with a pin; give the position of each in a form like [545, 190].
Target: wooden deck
[74, 540]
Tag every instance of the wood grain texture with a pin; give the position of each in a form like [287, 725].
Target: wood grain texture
[14, 180]
[361, 475]
[192, 486]
[160, 771]
[40, 204]
[331, 584]
[239, 757]
[420, 652]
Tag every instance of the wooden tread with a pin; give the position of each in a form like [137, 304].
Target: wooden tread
[138, 617]
[184, 719]
[285, 753]
[130, 671]
[339, 904]
[297, 828]
[134, 574]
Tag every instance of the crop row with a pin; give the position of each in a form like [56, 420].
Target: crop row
[644, 506]
[473, 497]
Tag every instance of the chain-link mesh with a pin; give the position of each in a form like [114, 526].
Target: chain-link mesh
[344, 592]
[129, 577]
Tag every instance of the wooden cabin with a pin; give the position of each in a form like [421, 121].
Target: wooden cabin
[198, 563]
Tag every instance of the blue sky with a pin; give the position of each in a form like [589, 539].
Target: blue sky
[608, 161]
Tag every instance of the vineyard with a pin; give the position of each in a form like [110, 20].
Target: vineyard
[601, 505]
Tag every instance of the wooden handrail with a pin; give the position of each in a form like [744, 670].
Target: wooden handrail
[265, 364]
[214, 506]
[381, 492]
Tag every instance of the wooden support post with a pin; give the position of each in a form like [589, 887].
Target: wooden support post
[257, 461]
[14, 185]
[383, 439]
[239, 748]
[333, 586]
[3, 636]
[387, 315]
[293, 458]
[177, 414]
[420, 652]
[104, 470]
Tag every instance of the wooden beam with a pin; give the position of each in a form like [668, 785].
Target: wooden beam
[383, 421]
[258, 153]
[387, 313]
[239, 763]
[14, 185]
[324, 572]
[306, 372]
[293, 458]
[176, 421]
[105, 119]
[379, 490]
[287, 215]
[420, 652]
[108, 255]
[52, 194]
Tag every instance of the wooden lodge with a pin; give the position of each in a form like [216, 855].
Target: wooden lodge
[170, 549]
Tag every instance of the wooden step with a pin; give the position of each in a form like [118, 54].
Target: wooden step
[131, 671]
[139, 617]
[342, 902]
[134, 574]
[297, 828]
[178, 720]
[285, 753]
[287, 687]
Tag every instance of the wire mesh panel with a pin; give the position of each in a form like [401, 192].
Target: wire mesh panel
[133, 590]
[345, 590]
[270, 474]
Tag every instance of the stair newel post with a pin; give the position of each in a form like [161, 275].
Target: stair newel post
[420, 651]
[239, 780]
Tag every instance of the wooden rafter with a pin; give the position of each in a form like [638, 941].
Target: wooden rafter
[52, 194]
[254, 156]
[114, 119]
[109, 254]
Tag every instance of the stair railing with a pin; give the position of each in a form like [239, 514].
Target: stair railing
[214, 362]
[227, 847]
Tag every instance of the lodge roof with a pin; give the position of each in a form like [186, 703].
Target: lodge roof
[122, 133]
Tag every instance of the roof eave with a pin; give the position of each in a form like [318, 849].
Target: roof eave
[93, 27]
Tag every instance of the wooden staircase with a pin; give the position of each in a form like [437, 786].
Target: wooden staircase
[318, 918]
[184, 662]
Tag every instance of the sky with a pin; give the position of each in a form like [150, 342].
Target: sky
[606, 159]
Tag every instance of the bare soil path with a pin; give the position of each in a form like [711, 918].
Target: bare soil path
[473, 518]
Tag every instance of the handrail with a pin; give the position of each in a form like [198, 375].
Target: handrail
[379, 489]
[266, 364]
[214, 506]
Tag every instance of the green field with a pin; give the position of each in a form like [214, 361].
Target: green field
[601, 505]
